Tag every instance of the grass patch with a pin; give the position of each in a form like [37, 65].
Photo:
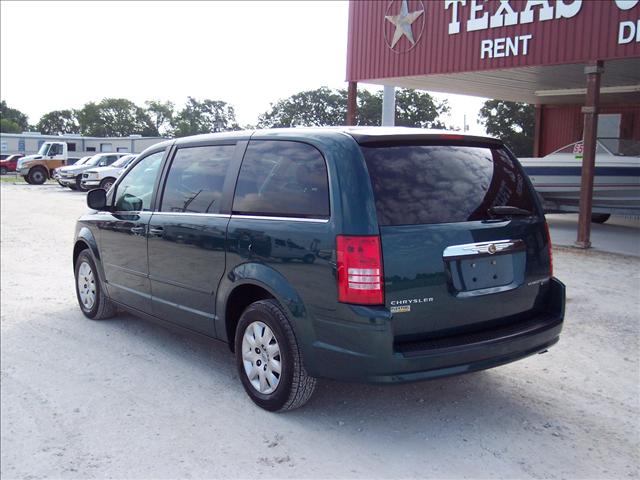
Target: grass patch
[17, 179]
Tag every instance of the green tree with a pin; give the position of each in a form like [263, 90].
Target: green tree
[161, 114]
[513, 122]
[324, 106]
[204, 116]
[310, 108]
[57, 122]
[9, 126]
[11, 118]
[419, 109]
[115, 117]
[369, 108]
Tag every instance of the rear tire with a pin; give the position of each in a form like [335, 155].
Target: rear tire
[107, 183]
[265, 343]
[600, 217]
[37, 176]
[93, 303]
[3, 170]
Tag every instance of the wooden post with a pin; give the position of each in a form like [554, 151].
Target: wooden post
[593, 70]
[537, 134]
[352, 103]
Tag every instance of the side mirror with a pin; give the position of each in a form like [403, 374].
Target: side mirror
[97, 199]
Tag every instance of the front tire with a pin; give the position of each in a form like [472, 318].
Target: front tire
[79, 184]
[37, 176]
[107, 183]
[269, 360]
[93, 303]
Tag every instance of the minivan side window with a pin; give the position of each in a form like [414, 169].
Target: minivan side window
[282, 178]
[135, 190]
[195, 179]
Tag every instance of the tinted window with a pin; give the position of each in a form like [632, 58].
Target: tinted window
[441, 184]
[282, 178]
[136, 188]
[195, 179]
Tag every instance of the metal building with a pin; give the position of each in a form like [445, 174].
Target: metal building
[573, 59]
[29, 143]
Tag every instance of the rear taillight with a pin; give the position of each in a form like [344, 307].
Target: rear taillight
[549, 247]
[360, 270]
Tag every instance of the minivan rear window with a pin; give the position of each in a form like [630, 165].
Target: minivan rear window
[426, 184]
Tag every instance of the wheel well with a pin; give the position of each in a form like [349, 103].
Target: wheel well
[238, 301]
[79, 247]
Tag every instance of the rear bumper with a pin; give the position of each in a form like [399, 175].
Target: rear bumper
[372, 357]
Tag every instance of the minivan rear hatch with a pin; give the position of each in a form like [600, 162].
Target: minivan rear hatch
[464, 241]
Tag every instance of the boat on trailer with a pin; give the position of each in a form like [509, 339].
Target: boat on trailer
[616, 185]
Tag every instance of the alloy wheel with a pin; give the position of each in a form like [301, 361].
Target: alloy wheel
[261, 358]
[86, 286]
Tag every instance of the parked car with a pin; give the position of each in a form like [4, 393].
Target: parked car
[57, 171]
[104, 177]
[71, 176]
[37, 169]
[431, 254]
[10, 163]
[616, 184]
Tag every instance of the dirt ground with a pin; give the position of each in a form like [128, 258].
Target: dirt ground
[127, 399]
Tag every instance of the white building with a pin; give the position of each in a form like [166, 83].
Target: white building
[28, 143]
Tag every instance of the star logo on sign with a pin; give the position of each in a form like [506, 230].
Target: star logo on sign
[403, 24]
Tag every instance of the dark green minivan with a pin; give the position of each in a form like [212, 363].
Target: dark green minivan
[359, 254]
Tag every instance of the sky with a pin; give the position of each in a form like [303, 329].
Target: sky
[60, 55]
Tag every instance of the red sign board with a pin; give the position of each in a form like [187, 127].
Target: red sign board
[398, 38]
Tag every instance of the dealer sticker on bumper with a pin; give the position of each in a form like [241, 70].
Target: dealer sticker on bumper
[401, 309]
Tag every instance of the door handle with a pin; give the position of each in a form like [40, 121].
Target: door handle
[156, 231]
[138, 230]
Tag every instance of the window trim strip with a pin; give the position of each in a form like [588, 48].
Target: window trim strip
[195, 214]
[291, 219]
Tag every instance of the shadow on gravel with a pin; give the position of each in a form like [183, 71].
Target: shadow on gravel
[482, 401]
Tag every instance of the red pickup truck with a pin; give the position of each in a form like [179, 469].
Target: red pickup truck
[9, 164]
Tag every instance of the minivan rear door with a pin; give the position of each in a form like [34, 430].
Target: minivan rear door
[463, 237]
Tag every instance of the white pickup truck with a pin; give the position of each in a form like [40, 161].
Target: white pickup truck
[37, 169]
[104, 177]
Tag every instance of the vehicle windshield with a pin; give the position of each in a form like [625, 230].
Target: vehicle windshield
[426, 184]
[624, 147]
[124, 161]
[93, 160]
[44, 148]
[82, 161]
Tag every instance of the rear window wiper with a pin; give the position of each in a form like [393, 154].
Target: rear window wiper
[508, 210]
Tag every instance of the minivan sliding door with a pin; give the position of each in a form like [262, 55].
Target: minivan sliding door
[187, 237]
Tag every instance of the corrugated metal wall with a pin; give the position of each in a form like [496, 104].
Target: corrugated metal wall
[592, 34]
[562, 125]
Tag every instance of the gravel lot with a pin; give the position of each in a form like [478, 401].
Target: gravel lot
[127, 399]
